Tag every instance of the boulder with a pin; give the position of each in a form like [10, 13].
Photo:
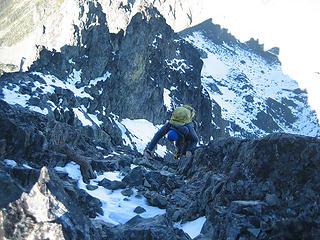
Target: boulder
[46, 211]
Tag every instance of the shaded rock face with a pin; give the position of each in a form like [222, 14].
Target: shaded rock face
[92, 52]
[31, 135]
[34, 140]
[149, 56]
[258, 189]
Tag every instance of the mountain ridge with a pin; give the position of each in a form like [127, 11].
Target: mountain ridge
[98, 63]
[71, 135]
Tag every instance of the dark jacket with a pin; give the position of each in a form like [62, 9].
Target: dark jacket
[187, 132]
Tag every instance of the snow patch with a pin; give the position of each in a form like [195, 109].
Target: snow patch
[11, 163]
[177, 64]
[167, 99]
[192, 228]
[141, 132]
[117, 208]
[80, 115]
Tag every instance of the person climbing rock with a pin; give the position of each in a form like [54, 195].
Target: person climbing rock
[180, 129]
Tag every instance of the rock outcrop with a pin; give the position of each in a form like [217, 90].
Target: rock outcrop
[264, 188]
[48, 210]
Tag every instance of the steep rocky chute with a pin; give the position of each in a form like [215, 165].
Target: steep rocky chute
[263, 188]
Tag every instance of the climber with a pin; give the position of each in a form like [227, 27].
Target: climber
[180, 129]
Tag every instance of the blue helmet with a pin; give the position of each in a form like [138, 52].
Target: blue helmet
[173, 135]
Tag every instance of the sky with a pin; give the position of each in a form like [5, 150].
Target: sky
[291, 25]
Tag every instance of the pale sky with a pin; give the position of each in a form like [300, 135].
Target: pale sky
[291, 25]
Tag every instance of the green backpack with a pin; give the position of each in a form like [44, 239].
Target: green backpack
[182, 115]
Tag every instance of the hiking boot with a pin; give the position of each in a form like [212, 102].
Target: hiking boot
[176, 155]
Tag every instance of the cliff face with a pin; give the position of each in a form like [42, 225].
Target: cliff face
[133, 72]
[153, 60]
[27, 24]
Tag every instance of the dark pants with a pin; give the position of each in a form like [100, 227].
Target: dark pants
[181, 145]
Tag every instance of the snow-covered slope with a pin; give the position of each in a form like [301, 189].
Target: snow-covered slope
[136, 133]
[253, 91]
